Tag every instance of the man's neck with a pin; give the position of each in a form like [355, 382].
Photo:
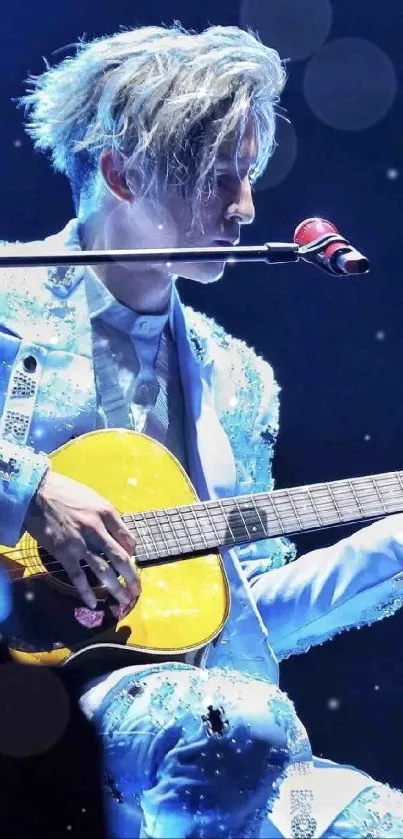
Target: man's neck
[142, 287]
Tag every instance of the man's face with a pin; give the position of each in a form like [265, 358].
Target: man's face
[221, 216]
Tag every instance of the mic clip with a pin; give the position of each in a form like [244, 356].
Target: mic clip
[316, 251]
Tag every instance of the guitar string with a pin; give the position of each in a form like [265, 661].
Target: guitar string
[281, 496]
[223, 503]
[169, 513]
[269, 503]
[18, 575]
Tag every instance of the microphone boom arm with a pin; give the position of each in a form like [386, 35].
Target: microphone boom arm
[271, 252]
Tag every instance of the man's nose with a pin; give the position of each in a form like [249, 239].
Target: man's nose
[243, 206]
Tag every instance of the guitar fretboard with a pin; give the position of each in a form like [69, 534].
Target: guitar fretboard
[204, 526]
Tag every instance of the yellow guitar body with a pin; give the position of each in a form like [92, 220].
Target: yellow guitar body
[184, 603]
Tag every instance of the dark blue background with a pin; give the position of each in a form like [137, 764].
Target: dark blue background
[339, 383]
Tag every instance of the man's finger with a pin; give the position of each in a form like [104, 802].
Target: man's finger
[120, 531]
[122, 562]
[107, 576]
[78, 577]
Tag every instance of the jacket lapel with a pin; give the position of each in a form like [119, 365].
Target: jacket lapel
[211, 462]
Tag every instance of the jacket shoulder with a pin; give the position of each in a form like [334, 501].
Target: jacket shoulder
[22, 290]
[31, 296]
[243, 381]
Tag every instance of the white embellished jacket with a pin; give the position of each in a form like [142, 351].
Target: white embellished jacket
[47, 395]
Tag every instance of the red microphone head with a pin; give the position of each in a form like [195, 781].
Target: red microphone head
[314, 228]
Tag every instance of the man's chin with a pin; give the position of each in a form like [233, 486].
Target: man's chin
[205, 272]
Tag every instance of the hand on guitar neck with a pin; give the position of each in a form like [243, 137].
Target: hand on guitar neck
[73, 522]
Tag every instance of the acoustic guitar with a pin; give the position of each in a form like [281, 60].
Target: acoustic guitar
[185, 597]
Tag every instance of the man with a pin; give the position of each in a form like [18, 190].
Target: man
[161, 133]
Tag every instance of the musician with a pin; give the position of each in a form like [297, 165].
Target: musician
[161, 134]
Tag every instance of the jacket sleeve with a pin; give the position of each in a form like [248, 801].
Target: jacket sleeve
[309, 600]
[21, 470]
[305, 601]
[355, 582]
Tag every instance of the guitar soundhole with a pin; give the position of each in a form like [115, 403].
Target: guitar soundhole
[59, 577]
[49, 613]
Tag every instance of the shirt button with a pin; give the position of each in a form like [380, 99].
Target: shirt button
[142, 394]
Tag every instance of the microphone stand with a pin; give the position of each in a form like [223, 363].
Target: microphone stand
[271, 252]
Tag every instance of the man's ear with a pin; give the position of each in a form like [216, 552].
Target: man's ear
[113, 177]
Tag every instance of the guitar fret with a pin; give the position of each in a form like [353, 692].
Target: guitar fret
[211, 520]
[274, 523]
[189, 541]
[259, 519]
[196, 520]
[191, 516]
[143, 531]
[220, 523]
[183, 538]
[222, 504]
[274, 510]
[252, 518]
[311, 516]
[378, 495]
[172, 540]
[386, 493]
[362, 497]
[391, 489]
[346, 491]
[143, 552]
[246, 528]
[186, 526]
[284, 505]
[289, 496]
[334, 502]
[361, 500]
[154, 530]
[368, 491]
[398, 476]
[141, 549]
[324, 505]
[163, 540]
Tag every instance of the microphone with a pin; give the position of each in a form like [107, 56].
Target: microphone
[321, 243]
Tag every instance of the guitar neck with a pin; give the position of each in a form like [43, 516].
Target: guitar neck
[207, 526]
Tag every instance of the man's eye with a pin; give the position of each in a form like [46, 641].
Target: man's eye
[224, 179]
[231, 179]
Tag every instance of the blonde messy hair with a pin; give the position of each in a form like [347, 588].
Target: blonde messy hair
[163, 97]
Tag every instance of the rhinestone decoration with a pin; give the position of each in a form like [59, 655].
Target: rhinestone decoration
[62, 281]
[23, 386]
[15, 425]
[303, 825]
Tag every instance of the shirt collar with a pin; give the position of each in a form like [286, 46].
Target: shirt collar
[102, 303]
